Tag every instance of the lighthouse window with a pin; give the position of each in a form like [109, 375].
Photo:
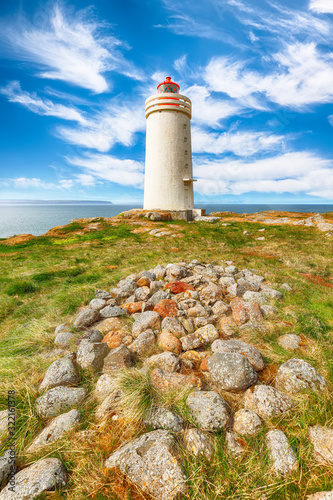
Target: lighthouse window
[185, 139]
[185, 152]
[185, 126]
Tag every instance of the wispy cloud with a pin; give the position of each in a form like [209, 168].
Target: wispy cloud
[109, 168]
[36, 183]
[43, 107]
[292, 172]
[207, 109]
[238, 143]
[322, 6]
[69, 46]
[304, 77]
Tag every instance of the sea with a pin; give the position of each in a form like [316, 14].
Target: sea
[38, 219]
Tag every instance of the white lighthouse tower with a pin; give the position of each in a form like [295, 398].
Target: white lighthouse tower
[168, 172]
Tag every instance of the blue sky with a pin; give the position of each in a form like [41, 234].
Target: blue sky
[75, 75]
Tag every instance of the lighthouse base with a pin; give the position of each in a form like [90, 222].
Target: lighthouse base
[165, 215]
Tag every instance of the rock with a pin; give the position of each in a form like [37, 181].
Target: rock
[161, 418]
[268, 311]
[143, 344]
[211, 293]
[155, 286]
[55, 430]
[117, 359]
[108, 405]
[296, 375]
[5, 468]
[112, 312]
[202, 336]
[169, 342]
[133, 307]
[147, 320]
[159, 272]
[235, 445]
[208, 333]
[86, 318]
[44, 475]
[323, 495]
[143, 281]
[247, 350]
[269, 293]
[231, 270]
[187, 324]
[166, 381]
[104, 387]
[92, 336]
[65, 339]
[158, 297]
[198, 443]
[167, 361]
[245, 311]
[322, 440]
[208, 409]
[60, 328]
[110, 325]
[220, 308]
[59, 400]
[246, 422]
[97, 304]
[255, 297]
[60, 372]
[3, 423]
[152, 463]
[178, 286]
[286, 287]
[290, 341]
[173, 326]
[266, 401]
[116, 338]
[176, 272]
[91, 356]
[103, 294]
[143, 293]
[231, 371]
[281, 453]
[197, 311]
[227, 281]
[325, 226]
[166, 308]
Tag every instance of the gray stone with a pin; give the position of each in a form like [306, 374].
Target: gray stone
[269, 293]
[220, 308]
[108, 405]
[148, 274]
[247, 350]
[147, 320]
[60, 372]
[173, 326]
[161, 418]
[296, 375]
[266, 401]
[290, 341]
[325, 226]
[234, 445]
[226, 281]
[6, 467]
[192, 341]
[152, 463]
[118, 359]
[211, 293]
[231, 371]
[208, 409]
[167, 361]
[97, 304]
[160, 272]
[286, 287]
[198, 443]
[91, 356]
[208, 333]
[104, 386]
[59, 400]
[55, 430]
[194, 312]
[143, 344]
[155, 286]
[281, 453]
[255, 297]
[112, 312]
[65, 339]
[268, 311]
[176, 272]
[142, 294]
[231, 269]
[322, 495]
[246, 422]
[44, 475]
[60, 328]
[322, 440]
[157, 297]
[103, 294]
[86, 318]
[93, 336]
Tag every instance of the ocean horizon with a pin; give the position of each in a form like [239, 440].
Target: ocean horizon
[19, 218]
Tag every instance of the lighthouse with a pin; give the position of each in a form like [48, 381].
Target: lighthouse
[168, 167]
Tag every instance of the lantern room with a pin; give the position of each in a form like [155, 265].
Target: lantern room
[168, 87]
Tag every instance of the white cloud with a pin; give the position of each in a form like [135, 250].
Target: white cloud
[106, 167]
[35, 182]
[330, 119]
[43, 107]
[180, 63]
[323, 6]
[68, 46]
[208, 110]
[115, 124]
[86, 179]
[291, 172]
[239, 143]
[304, 77]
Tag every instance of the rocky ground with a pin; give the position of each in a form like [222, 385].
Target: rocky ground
[180, 332]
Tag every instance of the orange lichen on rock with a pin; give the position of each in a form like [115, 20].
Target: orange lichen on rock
[178, 286]
[166, 307]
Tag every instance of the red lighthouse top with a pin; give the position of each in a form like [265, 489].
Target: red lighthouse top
[168, 87]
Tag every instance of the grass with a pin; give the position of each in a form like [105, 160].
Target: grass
[45, 280]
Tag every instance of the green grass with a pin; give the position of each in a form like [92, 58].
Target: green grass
[44, 281]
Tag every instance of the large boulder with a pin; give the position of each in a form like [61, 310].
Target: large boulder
[91, 356]
[281, 453]
[44, 475]
[86, 318]
[208, 409]
[231, 371]
[60, 372]
[152, 463]
[296, 375]
[247, 350]
[267, 401]
[117, 359]
[58, 400]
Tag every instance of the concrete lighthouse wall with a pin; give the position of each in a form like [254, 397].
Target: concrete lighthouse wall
[168, 171]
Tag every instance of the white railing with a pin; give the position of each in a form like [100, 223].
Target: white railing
[175, 102]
